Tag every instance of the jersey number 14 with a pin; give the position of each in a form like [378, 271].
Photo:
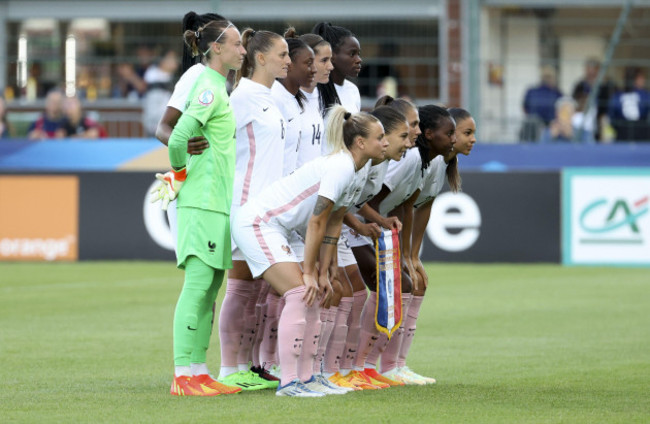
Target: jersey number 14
[315, 137]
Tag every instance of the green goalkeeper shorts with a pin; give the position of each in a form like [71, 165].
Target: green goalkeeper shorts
[204, 234]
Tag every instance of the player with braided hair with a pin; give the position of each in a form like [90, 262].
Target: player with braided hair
[400, 190]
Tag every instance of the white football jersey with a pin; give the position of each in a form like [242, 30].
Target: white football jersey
[403, 178]
[292, 115]
[349, 95]
[372, 186]
[290, 201]
[184, 86]
[356, 186]
[312, 130]
[260, 136]
[350, 99]
[434, 180]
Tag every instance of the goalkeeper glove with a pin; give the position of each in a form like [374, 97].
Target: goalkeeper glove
[170, 184]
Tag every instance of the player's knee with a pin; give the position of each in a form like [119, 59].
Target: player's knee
[407, 284]
[337, 292]
[346, 287]
[419, 291]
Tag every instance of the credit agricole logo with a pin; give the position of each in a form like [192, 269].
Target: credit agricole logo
[613, 221]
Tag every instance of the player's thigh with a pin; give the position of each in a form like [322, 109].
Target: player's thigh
[355, 278]
[346, 286]
[240, 271]
[367, 263]
[283, 276]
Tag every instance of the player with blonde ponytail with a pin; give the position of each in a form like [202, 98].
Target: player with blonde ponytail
[311, 201]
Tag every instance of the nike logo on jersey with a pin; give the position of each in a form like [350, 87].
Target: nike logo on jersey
[190, 328]
[264, 109]
[291, 119]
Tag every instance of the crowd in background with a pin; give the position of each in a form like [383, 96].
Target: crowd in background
[620, 111]
[617, 113]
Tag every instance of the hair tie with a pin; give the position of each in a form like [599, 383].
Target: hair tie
[253, 32]
[197, 34]
[347, 115]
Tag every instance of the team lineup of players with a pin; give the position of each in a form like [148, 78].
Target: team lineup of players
[290, 208]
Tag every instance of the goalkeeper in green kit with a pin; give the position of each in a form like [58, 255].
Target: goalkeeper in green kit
[203, 185]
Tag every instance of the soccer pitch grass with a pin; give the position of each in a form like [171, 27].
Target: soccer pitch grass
[91, 342]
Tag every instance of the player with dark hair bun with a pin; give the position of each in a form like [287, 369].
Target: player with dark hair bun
[203, 187]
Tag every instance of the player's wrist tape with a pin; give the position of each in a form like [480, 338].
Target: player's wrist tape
[330, 240]
[180, 175]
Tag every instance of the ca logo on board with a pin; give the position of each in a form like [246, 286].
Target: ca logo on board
[601, 218]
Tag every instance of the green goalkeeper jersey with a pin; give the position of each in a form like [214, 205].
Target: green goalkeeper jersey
[209, 183]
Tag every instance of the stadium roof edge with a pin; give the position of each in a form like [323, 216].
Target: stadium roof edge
[173, 10]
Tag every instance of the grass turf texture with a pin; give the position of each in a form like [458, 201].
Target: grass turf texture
[91, 342]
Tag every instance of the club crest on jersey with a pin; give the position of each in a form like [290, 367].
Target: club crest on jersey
[206, 97]
[286, 249]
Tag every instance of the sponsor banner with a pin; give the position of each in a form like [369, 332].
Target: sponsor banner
[118, 221]
[39, 217]
[498, 217]
[605, 216]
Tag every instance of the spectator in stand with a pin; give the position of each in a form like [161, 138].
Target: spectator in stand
[540, 100]
[76, 124]
[160, 83]
[132, 76]
[4, 127]
[606, 90]
[566, 126]
[51, 120]
[629, 110]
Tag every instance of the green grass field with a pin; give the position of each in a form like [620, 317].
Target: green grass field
[91, 342]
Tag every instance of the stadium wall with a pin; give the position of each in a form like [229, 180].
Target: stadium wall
[575, 204]
[505, 217]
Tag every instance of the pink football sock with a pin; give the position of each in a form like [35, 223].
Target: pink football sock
[231, 320]
[368, 334]
[377, 349]
[327, 317]
[337, 339]
[269, 346]
[354, 328]
[280, 309]
[409, 327]
[291, 332]
[389, 356]
[248, 335]
[310, 343]
[260, 315]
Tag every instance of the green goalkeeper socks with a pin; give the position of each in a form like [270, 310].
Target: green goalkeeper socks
[193, 315]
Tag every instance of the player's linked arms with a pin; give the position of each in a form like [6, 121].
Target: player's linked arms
[321, 204]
